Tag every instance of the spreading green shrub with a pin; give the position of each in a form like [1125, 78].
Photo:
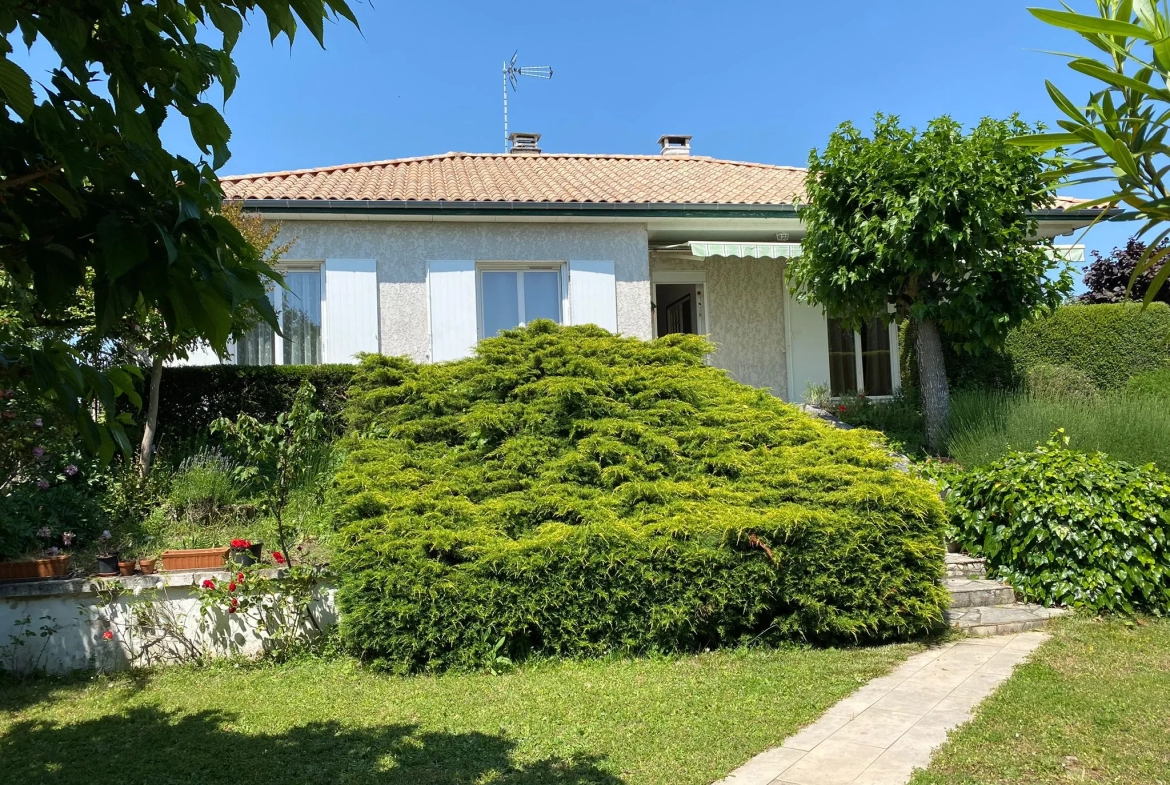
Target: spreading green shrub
[193, 397]
[568, 492]
[1151, 384]
[1059, 381]
[1110, 343]
[1070, 528]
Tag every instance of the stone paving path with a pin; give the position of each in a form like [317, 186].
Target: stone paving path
[885, 730]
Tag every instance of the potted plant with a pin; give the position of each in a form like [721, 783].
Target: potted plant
[52, 564]
[107, 556]
[194, 559]
[126, 568]
[146, 566]
[245, 553]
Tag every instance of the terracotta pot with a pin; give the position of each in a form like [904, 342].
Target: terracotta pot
[195, 559]
[126, 567]
[52, 567]
[107, 566]
[146, 566]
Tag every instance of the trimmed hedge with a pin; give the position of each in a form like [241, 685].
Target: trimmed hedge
[567, 492]
[1070, 528]
[1151, 384]
[1110, 343]
[191, 397]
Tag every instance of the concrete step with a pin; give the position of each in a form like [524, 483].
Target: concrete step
[1001, 619]
[960, 565]
[971, 594]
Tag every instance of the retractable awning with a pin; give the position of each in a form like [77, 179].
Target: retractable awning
[747, 250]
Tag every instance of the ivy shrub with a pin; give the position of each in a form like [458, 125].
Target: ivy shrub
[1069, 528]
[1110, 343]
[567, 492]
[193, 397]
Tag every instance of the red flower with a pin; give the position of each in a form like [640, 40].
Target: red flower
[208, 584]
[234, 606]
[240, 545]
[232, 609]
[841, 408]
[108, 635]
[232, 586]
[278, 557]
[240, 577]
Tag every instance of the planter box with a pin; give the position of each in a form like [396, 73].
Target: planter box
[53, 567]
[197, 559]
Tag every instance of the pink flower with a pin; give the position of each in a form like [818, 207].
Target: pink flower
[43, 485]
[70, 470]
[108, 635]
[38, 452]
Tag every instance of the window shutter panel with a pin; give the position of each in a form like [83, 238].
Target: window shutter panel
[593, 294]
[454, 318]
[351, 309]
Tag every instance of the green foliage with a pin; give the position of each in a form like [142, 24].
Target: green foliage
[984, 369]
[1108, 342]
[577, 493]
[203, 486]
[1059, 381]
[91, 195]
[899, 418]
[1118, 134]
[986, 425]
[193, 397]
[277, 458]
[1070, 528]
[939, 224]
[1150, 384]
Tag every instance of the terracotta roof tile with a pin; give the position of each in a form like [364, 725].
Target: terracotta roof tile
[493, 177]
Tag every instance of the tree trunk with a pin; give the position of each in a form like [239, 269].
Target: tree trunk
[146, 450]
[932, 377]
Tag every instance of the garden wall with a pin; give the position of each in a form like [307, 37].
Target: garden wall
[116, 623]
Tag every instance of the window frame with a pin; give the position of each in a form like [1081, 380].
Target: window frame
[859, 363]
[276, 298]
[561, 268]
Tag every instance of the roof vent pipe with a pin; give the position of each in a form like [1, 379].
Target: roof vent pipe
[675, 145]
[524, 143]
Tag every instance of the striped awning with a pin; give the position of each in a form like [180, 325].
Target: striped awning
[747, 250]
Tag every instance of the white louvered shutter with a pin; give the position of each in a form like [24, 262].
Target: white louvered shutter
[351, 309]
[454, 319]
[593, 294]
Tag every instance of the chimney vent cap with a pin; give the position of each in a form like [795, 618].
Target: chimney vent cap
[675, 144]
[524, 142]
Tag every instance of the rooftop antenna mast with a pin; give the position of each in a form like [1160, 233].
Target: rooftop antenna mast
[511, 71]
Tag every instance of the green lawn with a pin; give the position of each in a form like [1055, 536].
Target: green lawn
[655, 721]
[1093, 705]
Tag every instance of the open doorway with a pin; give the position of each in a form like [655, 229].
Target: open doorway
[679, 307]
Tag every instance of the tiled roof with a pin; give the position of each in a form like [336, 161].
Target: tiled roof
[545, 178]
[478, 177]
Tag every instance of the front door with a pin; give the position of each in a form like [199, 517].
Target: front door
[679, 305]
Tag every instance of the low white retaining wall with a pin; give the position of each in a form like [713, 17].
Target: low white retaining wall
[114, 623]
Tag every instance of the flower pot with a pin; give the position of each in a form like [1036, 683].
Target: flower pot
[246, 557]
[194, 559]
[107, 565]
[52, 567]
[126, 567]
[146, 566]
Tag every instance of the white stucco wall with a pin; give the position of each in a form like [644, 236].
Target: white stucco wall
[745, 315]
[402, 251]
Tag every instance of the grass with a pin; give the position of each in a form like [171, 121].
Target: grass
[650, 721]
[986, 425]
[1093, 705]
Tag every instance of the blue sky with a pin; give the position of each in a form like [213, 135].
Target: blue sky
[751, 81]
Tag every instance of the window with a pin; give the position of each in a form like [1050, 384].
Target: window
[514, 297]
[299, 310]
[866, 355]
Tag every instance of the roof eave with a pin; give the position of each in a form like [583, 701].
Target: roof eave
[599, 209]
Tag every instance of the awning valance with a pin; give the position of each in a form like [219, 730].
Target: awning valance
[747, 250]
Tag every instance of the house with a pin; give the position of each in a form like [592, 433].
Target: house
[423, 257]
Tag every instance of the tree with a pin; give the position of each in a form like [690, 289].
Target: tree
[935, 227]
[1119, 135]
[1114, 278]
[88, 193]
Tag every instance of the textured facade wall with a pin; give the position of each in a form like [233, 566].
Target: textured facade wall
[402, 251]
[745, 315]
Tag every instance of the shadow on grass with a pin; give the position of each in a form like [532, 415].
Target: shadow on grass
[153, 745]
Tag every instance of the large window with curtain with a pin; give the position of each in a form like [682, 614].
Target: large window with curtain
[861, 361]
[299, 309]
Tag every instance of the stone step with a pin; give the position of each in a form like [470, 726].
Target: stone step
[971, 594]
[960, 565]
[1001, 619]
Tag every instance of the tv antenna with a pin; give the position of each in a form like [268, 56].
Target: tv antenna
[511, 71]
